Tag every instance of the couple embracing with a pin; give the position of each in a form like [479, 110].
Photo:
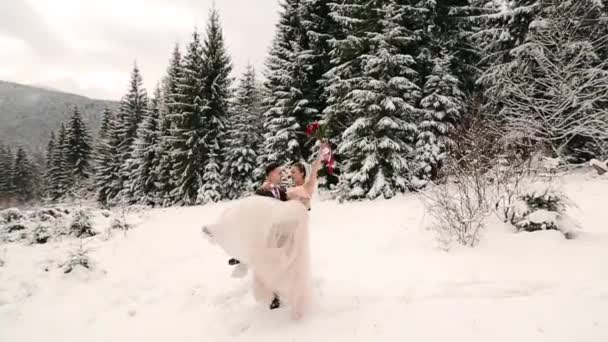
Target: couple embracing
[269, 235]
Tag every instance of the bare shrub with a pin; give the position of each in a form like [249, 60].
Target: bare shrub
[482, 175]
[458, 205]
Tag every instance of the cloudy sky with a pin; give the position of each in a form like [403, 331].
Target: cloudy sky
[88, 47]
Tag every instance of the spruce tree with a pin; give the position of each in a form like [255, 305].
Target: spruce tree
[454, 26]
[142, 182]
[245, 139]
[187, 126]
[170, 108]
[216, 68]
[313, 62]
[48, 178]
[497, 27]
[6, 172]
[78, 148]
[60, 171]
[99, 150]
[283, 133]
[133, 108]
[442, 107]
[23, 177]
[374, 92]
[108, 164]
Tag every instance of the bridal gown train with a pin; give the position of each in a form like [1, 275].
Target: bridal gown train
[272, 238]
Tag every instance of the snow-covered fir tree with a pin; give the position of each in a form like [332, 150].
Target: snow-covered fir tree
[453, 26]
[99, 149]
[373, 91]
[498, 27]
[442, 106]
[315, 61]
[142, 181]
[212, 187]
[23, 177]
[216, 68]
[6, 172]
[187, 126]
[107, 164]
[554, 88]
[48, 177]
[166, 180]
[283, 133]
[133, 108]
[245, 138]
[60, 172]
[78, 148]
[104, 127]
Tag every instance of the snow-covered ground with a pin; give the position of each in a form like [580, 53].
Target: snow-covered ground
[378, 274]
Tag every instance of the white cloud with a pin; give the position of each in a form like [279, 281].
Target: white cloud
[88, 47]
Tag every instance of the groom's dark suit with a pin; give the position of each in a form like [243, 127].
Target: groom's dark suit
[277, 192]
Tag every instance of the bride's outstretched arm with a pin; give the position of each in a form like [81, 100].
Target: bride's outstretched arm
[314, 170]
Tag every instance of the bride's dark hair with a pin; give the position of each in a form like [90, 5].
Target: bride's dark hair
[301, 168]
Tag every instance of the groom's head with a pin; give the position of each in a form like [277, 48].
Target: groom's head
[273, 173]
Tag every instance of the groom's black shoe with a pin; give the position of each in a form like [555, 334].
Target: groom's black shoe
[233, 262]
[276, 303]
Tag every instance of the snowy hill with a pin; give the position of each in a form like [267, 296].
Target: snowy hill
[378, 276]
[29, 114]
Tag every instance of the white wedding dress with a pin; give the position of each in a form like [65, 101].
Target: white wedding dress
[272, 238]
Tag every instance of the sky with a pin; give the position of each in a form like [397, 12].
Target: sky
[88, 47]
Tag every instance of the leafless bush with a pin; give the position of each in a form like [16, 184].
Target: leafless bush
[458, 201]
[482, 174]
[459, 204]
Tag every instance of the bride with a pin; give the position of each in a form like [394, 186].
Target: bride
[272, 238]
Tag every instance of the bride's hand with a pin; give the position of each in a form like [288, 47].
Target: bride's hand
[324, 151]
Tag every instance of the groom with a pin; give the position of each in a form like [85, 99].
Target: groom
[270, 188]
[272, 185]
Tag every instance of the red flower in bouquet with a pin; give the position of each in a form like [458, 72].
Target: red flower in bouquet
[316, 130]
[312, 128]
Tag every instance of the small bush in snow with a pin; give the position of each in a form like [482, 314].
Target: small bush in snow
[11, 215]
[41, 234]
[48, 214]
[78, 257]
[81, 224]
[542, 206]
[14, 232]
[120, 224]
[15, 226]
[106, 213]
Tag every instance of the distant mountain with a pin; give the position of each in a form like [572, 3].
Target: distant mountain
[29, 114]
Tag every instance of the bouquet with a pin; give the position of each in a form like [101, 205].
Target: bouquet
[318, 131]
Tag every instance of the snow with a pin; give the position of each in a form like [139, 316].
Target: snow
[543, 216]
[377, 269]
